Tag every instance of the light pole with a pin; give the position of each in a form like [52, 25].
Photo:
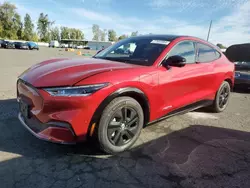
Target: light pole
[209, 30]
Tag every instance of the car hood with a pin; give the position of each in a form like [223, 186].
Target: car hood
[67, 72]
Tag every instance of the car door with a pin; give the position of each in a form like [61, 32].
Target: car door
[181, 86]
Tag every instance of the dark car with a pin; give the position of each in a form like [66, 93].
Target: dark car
[242, 74]
[33, 45]
[2, 43]
[21, 45]
[7, 44]
[240, 55]
[111, 97]
[10, 45]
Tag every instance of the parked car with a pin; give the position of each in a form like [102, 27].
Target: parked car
[111, 97]
[7, 44]
[54, 44]
[21, 45]
[10, 45]
[79, 46]
[242, 74]
[86, 48]
[63, 45]
[33, 45]
[2, 43]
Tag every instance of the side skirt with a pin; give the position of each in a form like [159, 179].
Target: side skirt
[184, 110]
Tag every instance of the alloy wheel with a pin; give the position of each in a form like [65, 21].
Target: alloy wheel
[123, 126]
[223, 96]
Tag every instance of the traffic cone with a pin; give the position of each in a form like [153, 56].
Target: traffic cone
[79, 52]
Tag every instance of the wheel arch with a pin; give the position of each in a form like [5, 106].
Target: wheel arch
[132, 92]
[229, 80]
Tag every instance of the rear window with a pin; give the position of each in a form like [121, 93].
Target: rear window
[206, 53]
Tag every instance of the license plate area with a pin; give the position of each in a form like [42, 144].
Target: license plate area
[24, 109]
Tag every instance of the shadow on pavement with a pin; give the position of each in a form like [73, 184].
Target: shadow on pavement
[197, 156]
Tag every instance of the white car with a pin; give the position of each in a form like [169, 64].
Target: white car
[54, 44]
[64, 45]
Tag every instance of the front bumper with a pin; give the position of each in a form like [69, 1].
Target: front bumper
[54, 134]
[55, 118]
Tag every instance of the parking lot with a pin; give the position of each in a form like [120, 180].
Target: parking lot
[197, 149]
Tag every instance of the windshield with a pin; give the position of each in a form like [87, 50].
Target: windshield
[138, 50]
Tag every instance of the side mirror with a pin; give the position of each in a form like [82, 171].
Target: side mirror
[175, 61]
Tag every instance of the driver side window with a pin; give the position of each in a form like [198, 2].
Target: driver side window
[185, 49]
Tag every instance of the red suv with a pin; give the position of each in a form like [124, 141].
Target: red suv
[132, 83]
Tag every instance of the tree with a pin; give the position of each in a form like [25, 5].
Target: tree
[96, 32]
[103, 34]
[221, 46]
[122, 37]
[112, 35]
[65, 31]
[135, 33]
[28, 32]
[55, 33]
[72, 33]
[9, 20]
[43, 27]
[18, 26]
[79, 34]
[35, 37]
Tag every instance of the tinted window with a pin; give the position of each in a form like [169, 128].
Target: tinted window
[206, 53]
[185, 49]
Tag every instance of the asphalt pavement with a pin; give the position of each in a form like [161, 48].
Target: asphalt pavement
[195, 150]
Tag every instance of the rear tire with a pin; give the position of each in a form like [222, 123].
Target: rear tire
[222, 97]
[120, 125]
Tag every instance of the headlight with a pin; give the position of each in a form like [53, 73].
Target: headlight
[236, 74]
[75, 91]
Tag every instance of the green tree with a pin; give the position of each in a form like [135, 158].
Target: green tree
[28, 32]
[55, 33]
[35, 37]
[221, 46]
[96, 32]
[79, 34]
[135, 33]
[9, 20]
[18, 26]
[112, 35]
[72, 33]
[103, 34]
[122, 37]
[65, 32]
[43, 27]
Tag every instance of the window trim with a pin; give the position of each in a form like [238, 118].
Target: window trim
[197, 42]
[186, 40]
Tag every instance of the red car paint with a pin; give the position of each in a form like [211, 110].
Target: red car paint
[165, 90]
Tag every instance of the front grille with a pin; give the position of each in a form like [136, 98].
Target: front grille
[34, 124]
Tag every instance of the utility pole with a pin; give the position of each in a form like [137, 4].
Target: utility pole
[209, 29]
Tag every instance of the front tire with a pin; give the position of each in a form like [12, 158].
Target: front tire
[222, 97]
[120, 125]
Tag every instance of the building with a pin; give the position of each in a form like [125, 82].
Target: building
[94, 45]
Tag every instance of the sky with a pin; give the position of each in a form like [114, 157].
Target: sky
[230, 18]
